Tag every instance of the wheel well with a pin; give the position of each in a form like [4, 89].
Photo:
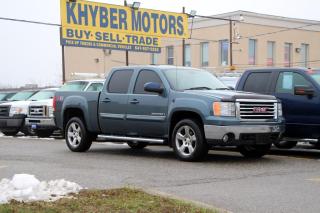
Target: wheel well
[70, 113]
[180, 115]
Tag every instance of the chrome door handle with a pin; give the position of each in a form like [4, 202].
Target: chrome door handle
[134, 101]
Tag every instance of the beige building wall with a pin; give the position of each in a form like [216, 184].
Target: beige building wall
[80, 62]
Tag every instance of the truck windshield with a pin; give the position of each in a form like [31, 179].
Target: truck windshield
[74, 86]
[3, 96]
[193, 79]
[315, 75]
[21, 96]
[42, 95]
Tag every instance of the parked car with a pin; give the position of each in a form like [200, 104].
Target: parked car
[4, 96]
[231, 82]
[299, 91]
[40, 114]
[185, 108]
[13, 114]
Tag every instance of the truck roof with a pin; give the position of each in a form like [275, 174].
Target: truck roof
[277, 69]
[153, 66]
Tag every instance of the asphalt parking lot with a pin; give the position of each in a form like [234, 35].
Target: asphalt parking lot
[284, 181]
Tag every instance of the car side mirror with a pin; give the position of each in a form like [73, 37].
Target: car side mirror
[153, 87]
[231, 88]
[304, 90]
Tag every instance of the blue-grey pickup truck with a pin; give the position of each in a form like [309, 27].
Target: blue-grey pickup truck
[187, 109]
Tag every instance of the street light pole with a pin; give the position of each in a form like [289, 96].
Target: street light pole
[127, 51]
[183, 44]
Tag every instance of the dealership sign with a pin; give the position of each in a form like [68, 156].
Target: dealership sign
[98, 25]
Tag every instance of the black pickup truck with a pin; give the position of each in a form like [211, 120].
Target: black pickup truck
[185, 108]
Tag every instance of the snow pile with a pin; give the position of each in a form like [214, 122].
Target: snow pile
[24, 187]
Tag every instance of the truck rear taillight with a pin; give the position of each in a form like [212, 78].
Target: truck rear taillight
[54, 103]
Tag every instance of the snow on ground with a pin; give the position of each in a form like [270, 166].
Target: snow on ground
[27, 188]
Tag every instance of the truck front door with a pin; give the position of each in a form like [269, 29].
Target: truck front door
[147, 112]
[301, 112]
[113, 103]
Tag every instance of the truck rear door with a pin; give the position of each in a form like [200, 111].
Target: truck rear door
[113, 103]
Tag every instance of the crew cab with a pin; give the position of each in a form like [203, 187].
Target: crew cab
[13, 114]
[40, 114]
[185, 108]
[299, 91]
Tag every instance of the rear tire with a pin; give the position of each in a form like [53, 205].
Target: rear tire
[10, 132]
[77, 137]
[285, 144]
[188, 141]
[44, 133]
[137, 145]
[254, 151]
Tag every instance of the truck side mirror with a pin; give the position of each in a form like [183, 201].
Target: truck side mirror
[153, 87]
[304, 90]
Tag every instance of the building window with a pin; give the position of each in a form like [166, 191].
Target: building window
[252, 51]
[271, 53]
[187, 55]
[287, 54]
[154, 58]
[170, 55]
[304, 55]
[204, 54]
[224, 52]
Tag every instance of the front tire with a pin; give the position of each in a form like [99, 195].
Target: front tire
[285, 144]
[188, 141]
[254, 151]
[77, 137]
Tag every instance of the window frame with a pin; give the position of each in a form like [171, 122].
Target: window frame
[187, 49]
[167, 54]
[252, 43]
[110, 78]
[221, 42]
[202, 62]
[294, 72]
[268, 83]
[289, 63]
[136, 80]
[273, 52]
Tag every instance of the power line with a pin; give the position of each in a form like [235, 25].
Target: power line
[30, 22]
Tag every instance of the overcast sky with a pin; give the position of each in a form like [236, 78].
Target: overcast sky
[32, 54]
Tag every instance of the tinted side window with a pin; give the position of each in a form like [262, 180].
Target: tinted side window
[145, 76]
[95, 87]
[257, 82]
[119, 81]
[288, 80]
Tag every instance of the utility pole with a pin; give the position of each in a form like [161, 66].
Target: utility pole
[63, 59]
[183, 43]
[231, 44]
[127, 51]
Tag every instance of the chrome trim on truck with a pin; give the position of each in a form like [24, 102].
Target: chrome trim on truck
[217, 132]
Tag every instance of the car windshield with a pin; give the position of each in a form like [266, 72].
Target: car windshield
[3, 96]
[21, 96]
[74, 86]
[315, 75]
[42, 95]
[193, 79]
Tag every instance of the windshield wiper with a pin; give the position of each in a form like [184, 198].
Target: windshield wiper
[199, 88]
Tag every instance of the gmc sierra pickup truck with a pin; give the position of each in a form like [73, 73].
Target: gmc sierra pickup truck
[185, 108]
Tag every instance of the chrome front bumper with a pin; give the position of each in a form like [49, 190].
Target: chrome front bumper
[213, 132]
[40, 122]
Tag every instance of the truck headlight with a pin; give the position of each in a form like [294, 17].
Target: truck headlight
[17, 111]
[280, 114]
[224, 109]
[51, 110]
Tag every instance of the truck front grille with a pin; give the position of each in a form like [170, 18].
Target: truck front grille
[257, 110]
[4, 110]
[37, 111]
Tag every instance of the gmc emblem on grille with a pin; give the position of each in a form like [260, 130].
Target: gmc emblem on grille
[259, 109]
